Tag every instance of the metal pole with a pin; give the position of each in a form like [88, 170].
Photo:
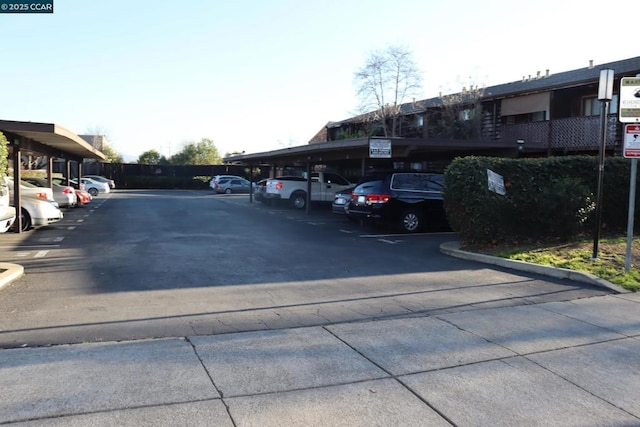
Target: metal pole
[632, 204]
[603, 136]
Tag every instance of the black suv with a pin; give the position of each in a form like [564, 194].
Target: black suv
[411, 200]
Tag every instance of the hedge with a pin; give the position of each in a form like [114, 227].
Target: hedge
[546, 198]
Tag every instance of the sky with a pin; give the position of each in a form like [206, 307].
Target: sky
[259, 75]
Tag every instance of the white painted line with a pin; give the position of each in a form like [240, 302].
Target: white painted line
[73, 227]
[41, 254]
[58, 239]
[30, 246]
[22, 254]
[346, 231]
[86, 216]
[393, 242]
[80, 220]
[314, 223]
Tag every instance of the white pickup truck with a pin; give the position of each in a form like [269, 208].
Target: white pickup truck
[324, 186]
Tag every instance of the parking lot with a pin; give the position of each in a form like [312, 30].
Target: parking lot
[142, 263]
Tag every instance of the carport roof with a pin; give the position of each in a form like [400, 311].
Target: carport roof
[359, 148]
[53, 136]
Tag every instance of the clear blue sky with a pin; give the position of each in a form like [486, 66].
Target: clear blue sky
[256, 75]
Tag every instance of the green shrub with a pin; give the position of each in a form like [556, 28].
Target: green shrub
[546, 198]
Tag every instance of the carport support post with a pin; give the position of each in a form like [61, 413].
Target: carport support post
[50, 171]
[308, 208]
[67, 164]
[250, 183]
[17, 203]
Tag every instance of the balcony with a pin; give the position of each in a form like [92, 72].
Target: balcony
[572, 134]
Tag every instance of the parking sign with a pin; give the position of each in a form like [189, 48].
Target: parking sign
[631, 141]
[629, 100]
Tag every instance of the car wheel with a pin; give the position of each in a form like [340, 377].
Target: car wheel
[299, 200]
[410, 221]
[227, 191]
[26, 219]
[93, 192]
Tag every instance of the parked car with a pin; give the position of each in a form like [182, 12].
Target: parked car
[83, 197]
[7, 212]
[37, 205]
[37, 212]
[259, 190]
[214, 180]
[30, 190]
[341, 200]
[63, 194]
[410, 200]
[92, 187]
[232, 185]
[111, 183]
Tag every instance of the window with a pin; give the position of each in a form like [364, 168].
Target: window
[465, 115]
[591, 106]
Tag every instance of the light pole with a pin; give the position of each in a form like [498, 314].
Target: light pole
[605, 93]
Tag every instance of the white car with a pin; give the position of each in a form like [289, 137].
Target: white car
[7, 212]
[100, 178]
[92, 187]
[30, 190]
[38, 212]
[63, 194]
[38, 208]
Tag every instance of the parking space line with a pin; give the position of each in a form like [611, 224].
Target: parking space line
[41, 254]
[346, 231]
[72, 227]
[392, 242]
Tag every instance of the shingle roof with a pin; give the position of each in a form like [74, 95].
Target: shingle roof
[626, 67]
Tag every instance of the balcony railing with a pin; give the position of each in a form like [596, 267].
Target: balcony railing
[575, 133]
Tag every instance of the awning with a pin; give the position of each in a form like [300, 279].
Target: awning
[55, 137]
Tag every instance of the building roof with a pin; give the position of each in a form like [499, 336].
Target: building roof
[56, 138]
[538, 83]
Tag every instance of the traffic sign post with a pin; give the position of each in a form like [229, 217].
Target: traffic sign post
[632, 151]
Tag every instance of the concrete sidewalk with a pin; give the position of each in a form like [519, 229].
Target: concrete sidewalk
[564, 363]
[556, 363]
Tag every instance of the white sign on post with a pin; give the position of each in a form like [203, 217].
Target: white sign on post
[380, 148]
[629, 100]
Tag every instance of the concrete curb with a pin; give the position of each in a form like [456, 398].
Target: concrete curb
[453, 249]
[9, 273]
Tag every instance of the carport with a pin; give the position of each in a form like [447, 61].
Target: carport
[363, 154]
[44, 139]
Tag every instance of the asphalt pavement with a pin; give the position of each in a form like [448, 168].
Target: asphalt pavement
[569, 363]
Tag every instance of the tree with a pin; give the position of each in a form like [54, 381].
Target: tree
[151, 157]
[460, 115]
[112, 155]
[197, 153]
[387, 80]
[4, 155]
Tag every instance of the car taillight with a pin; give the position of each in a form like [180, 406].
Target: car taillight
[278, 185]
[371, 199]
[68, 190]
[42, 196]
[378, 198]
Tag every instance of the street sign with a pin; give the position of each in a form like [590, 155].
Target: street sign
[631, 141]
[380, 148]
[629, 100]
